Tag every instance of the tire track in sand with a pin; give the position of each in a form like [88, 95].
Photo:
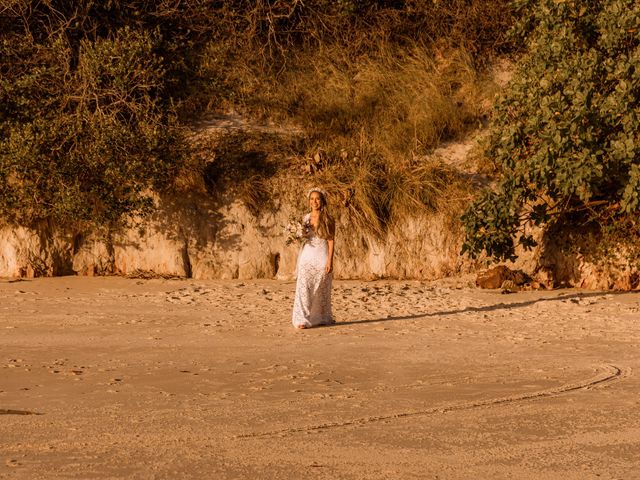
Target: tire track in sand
[609, 374]
[8, 411]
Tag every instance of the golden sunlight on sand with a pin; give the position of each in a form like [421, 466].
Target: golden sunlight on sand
[121, 378]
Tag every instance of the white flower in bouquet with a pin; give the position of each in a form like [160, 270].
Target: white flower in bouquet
[296, 232]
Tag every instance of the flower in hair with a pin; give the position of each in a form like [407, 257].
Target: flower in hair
[317, 189]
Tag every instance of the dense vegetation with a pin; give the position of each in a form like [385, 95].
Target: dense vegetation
[93, 95]
[566, 134]
[85, 128]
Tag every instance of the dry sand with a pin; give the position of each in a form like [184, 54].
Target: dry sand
[207, 379]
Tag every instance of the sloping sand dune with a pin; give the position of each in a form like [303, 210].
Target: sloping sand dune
[120, 378]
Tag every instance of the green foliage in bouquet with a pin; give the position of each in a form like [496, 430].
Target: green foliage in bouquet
[566, 134]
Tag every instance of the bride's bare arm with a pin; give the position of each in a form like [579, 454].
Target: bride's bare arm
[329, 267]
[330, 242]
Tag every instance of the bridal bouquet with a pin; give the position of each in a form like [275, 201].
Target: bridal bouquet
[296, 232]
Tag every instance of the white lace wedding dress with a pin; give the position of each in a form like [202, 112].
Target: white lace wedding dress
[312, 303]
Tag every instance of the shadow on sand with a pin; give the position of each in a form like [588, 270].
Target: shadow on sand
[488, 308]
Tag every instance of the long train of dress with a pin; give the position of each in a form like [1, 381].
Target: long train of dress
[312, 303]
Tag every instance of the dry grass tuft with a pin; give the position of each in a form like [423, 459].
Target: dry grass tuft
[370, 126]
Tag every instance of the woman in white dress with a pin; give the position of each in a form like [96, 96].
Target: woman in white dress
[312, 304]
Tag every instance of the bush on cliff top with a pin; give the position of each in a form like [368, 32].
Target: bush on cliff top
[91, 93]
[566, 134]
[84, 130]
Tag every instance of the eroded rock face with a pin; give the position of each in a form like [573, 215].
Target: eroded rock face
[32, 253]
[17, 249]
[576, 258]
[149, 249]
[198, 238]
[92, 256]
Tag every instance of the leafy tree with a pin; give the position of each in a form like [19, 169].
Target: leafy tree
[566, 133]
[85, 127]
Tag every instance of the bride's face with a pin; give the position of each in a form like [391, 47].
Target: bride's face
[315, 201]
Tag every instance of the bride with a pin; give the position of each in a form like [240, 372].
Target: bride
[312, 304]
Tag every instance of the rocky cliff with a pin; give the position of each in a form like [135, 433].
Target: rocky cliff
[214, 235]
[199, 238]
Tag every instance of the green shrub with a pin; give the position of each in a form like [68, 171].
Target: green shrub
[92, 93]
[85, 130]
[84, 145]
[566, 134]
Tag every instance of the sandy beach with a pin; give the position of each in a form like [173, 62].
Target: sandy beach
[130, 378]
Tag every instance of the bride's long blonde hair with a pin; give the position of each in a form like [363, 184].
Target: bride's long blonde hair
[326, 224]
